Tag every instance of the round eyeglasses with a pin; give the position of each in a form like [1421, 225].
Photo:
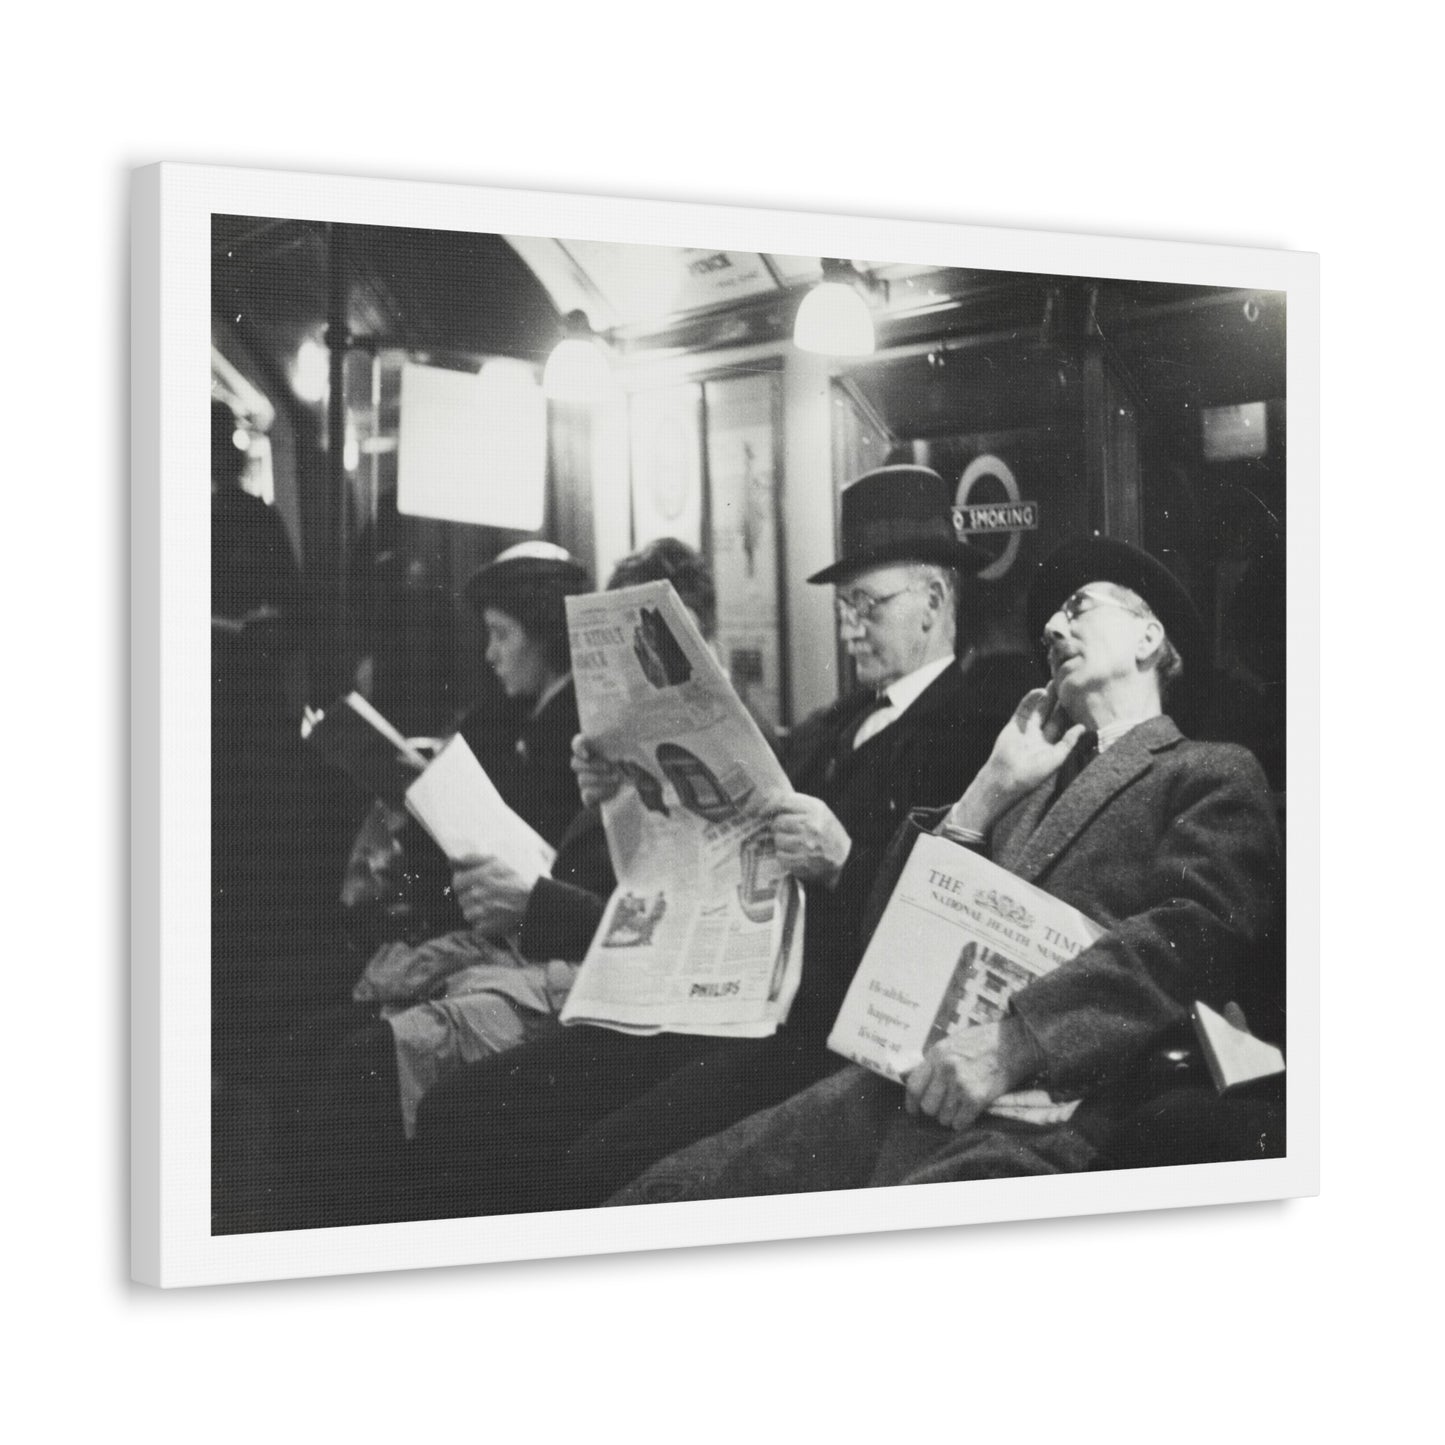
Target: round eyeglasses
[861, 606]
[1082, 603]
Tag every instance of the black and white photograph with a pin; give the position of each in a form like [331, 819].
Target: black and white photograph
[423, 1023]
[1003, 554]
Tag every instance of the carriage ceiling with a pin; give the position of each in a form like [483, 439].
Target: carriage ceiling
[953, 343]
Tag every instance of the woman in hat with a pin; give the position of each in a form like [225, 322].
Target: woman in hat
[508, 974]
[521, 596]
[398, 882]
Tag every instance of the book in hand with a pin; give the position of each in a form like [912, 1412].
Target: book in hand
[459, 805]
[1233, 1054]
[353, 736]
[958, 938]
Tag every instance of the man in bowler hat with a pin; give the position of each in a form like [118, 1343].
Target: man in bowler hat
[508, 1137]
[1093, 794]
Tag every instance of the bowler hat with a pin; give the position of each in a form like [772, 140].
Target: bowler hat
[900, 514]
[1102, 559]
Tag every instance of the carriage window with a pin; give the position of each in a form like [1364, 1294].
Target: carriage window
[473, 447]
[1234, 432]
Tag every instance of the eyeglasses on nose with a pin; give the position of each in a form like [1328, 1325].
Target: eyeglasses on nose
[860, 606]
[1082, 603]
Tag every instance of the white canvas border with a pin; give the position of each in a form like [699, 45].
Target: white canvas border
[171, 1243]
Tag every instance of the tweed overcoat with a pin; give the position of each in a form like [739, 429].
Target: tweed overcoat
[1172, 847]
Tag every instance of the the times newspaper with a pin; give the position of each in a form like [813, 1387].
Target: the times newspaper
[959, 937]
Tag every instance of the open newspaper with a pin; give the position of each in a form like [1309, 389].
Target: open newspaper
[959, 937]
[704, 933]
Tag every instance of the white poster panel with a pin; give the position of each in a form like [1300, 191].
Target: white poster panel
[742, 484]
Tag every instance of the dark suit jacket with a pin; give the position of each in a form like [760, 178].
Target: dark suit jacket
[926, 757]
[1171, 846]
[563, 911]
[539, 784]
[535, 778]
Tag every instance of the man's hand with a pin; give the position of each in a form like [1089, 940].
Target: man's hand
[960, 1076]
[598, 777]
[810, 842]
[1033, 745]
[492, 895]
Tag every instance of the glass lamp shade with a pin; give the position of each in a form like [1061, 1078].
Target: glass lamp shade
[577, 370]
[310, 371]
[834, 320]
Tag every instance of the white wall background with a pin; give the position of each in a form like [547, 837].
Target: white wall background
[1219, 123]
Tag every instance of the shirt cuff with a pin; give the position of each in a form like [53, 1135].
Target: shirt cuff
[968, 837]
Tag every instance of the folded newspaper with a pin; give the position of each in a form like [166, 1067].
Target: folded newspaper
[704, 933]
[959, 937]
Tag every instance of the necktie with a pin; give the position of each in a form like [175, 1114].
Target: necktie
[848, 735]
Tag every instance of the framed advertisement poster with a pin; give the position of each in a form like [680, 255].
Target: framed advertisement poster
[667, 473]
[746, 553]
[347, 1043]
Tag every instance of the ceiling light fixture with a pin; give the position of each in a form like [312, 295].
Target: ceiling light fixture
[835, 318]
[310, 375]
[580, 366]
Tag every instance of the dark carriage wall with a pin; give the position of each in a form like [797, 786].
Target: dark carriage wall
[1104, 432]
[1090, 391]
[382, 587]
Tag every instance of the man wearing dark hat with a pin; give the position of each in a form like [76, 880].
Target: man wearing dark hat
[1092, 793]
[506, 1137]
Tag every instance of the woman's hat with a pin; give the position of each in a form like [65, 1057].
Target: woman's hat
[900, 514]
[530, 582]
[529, 569]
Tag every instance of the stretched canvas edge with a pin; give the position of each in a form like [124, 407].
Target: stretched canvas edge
[170, 724]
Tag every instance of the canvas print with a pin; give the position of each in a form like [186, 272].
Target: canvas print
[694, 723]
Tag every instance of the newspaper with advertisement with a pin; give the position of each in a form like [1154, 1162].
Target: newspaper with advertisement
[959, 937]
[704, 932]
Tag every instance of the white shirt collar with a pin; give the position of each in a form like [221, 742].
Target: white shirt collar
[899, 696]
[904, 693]
[1110, 733]
[549, 692]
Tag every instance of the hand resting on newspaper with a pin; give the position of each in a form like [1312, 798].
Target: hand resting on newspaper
[1033, 745]
[491, 894]
[960, 1076]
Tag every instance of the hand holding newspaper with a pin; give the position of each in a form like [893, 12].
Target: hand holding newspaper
[704, 932]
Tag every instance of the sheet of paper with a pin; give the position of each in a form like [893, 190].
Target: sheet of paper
[459, 805]
[1233, 1054]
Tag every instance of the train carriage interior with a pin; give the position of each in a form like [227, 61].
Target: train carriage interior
[394, 408]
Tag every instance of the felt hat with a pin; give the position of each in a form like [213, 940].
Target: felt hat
[530, 582]
[529, 569]
[900, 514]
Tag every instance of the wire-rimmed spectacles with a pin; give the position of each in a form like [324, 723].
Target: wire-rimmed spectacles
[861, 606]
[1082, 603]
